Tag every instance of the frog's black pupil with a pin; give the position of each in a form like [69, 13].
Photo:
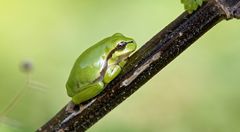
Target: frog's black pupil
[121, 45]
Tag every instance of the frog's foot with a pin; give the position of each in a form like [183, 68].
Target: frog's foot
[74, 110]
[71, 107]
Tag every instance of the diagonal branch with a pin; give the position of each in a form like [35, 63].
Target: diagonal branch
[145, 63]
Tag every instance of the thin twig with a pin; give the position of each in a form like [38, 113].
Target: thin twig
[143, 65]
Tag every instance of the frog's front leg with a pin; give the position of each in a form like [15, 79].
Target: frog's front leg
[88, 92]
[111, 73]
[122, 63]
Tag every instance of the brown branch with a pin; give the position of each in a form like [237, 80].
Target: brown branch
[145, 63]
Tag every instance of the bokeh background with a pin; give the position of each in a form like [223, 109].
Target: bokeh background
[198, 91]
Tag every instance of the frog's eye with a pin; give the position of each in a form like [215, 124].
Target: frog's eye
[121, 45]
[124, 43]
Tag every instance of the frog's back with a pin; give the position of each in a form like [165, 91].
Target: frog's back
[92, 55]
[87, 67]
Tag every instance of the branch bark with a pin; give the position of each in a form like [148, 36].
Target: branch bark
[145, 63]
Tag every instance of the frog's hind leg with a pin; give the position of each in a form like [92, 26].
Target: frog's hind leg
[88, 92]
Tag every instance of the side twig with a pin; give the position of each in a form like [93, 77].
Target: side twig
[145, 63]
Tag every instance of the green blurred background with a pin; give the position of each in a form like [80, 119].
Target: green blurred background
[197, 92]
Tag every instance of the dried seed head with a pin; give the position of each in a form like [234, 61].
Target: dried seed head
[26, 66]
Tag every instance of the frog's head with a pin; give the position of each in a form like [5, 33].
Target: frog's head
[122, 46]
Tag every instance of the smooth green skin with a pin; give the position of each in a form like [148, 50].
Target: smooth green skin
[92, 70]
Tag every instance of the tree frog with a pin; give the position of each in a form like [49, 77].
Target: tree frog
[97, 66]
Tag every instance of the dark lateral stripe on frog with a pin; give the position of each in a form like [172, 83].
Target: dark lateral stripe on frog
[104, 69]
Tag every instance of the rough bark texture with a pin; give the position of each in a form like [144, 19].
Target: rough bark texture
[145, 63]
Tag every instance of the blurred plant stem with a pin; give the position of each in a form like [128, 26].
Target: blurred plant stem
[145, 63]
[26, 67]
